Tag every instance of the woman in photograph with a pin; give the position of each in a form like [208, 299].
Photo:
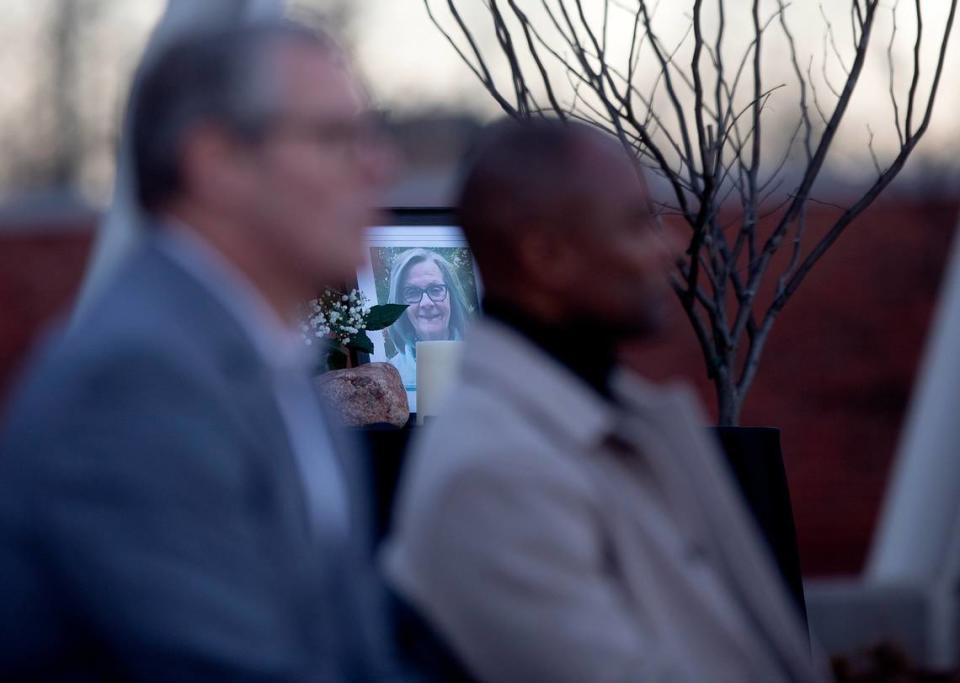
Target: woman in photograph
[437, 308]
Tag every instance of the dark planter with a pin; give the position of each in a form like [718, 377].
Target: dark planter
[756, 460]
[386, 450]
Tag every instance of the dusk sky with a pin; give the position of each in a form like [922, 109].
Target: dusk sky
[410, 67]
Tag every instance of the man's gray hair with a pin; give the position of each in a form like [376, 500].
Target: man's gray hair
[218, 76]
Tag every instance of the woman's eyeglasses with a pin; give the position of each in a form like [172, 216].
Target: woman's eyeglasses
[413, 295]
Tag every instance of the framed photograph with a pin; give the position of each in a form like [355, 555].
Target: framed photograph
[420, 259]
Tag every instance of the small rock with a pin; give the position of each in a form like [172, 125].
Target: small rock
[367, 394]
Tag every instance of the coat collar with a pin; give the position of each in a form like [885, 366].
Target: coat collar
[498, 355]
[519, 372]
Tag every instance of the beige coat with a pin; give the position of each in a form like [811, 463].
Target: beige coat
[550, 537]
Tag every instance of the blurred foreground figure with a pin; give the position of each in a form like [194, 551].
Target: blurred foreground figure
[564, 520]
[172, 506]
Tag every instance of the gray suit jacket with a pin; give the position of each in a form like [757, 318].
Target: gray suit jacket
[152, 523]
[552, 537]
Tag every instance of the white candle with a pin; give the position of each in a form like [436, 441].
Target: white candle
[437, 365]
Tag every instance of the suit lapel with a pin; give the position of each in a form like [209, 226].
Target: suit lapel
[538, 388]
[246, 385]
[252, 390]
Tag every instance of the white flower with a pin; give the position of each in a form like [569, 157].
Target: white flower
[336, 316]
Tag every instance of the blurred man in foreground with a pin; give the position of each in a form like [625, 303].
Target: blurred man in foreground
[564, 520]
[172, 506]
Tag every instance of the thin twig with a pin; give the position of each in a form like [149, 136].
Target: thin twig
[892, 68]
[804, 108]
[833, 41]
[908, 123]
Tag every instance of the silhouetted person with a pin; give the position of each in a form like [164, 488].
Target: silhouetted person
[564, 520]
[172, 505]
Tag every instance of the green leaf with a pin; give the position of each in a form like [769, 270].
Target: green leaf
[360, 342]
[384, 315]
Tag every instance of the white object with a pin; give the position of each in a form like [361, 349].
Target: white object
[122, 226]
[920, 520]
[908, 592]
[437, 365]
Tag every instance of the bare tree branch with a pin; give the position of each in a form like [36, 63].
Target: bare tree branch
[907, 126]
[534, 53]
[823, 71]
[831, 38]
[816, 99]
[879, 185]
[804, 108]
[668, 84]
[892, 68]
[480, 69]
[521, 92]
[708, 141]
[873, 152]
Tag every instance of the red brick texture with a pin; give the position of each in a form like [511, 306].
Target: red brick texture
[835, 378]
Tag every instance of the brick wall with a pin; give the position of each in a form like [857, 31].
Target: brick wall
[838, 370]
[40, 271]
[835, 378]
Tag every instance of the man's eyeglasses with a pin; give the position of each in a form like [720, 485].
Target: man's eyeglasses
[344, 134]
[413, 295]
